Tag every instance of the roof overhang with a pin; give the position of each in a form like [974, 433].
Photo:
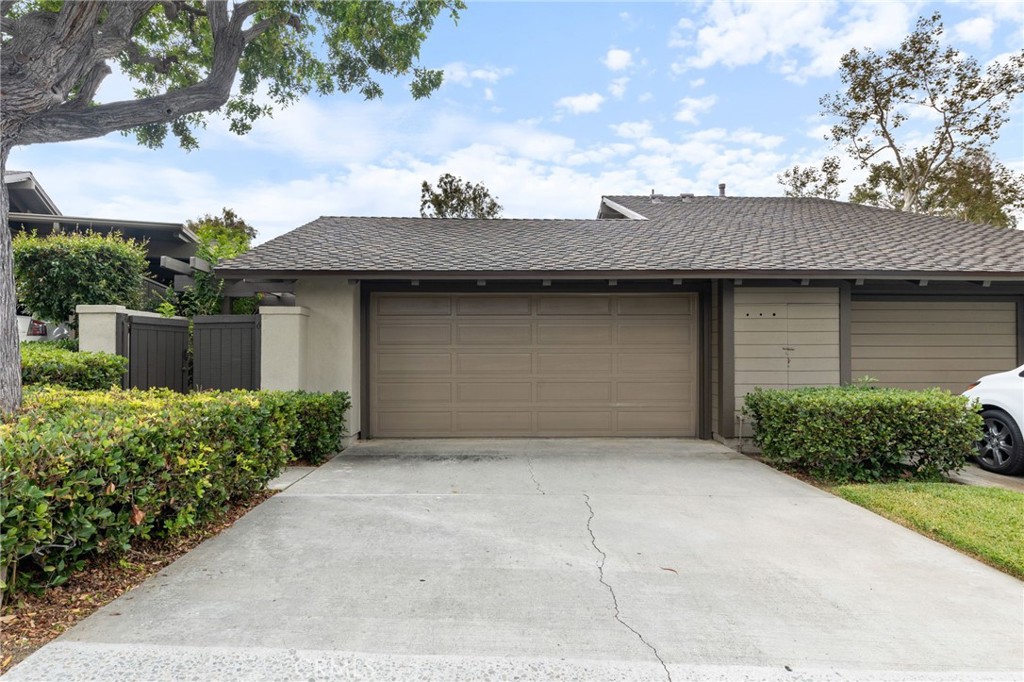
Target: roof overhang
[24, 191]
[918, 276]
[620, 209]
[148, 229]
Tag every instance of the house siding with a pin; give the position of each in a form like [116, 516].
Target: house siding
[768, 321]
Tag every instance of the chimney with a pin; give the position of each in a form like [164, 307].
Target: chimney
[721, 189]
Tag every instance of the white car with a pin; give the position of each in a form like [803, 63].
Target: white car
[32, 330]
[1001, 448]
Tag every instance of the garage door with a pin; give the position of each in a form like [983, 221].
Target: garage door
[921, 344]
[532, 365]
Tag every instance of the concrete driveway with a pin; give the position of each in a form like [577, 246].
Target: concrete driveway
[554, 559]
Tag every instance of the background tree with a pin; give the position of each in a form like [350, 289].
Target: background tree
[973, 187]
[183, 56]
[808, 181]
[220, 237]
[878, 117]
[60, 271]
[455, 198]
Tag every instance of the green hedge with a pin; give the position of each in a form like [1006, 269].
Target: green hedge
[57, 272]
[54, 363]
[864, 434]
[321, 424]
[89, 472]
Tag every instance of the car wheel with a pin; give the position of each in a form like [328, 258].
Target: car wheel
[1001, 448]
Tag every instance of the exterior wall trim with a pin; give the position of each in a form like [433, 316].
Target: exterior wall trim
[364, 360]
[1020, 331]
[727, 360]
[845, 334]
[704, 425]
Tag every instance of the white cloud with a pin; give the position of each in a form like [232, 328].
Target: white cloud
[617, 59]
[675, 39]
[581, 104]
[697, 82]
[819, 132]
[489, 94]
[800, 40]
[599, 155]
[690, 107]
[618, 87]
[460, 73]
[633, 129]
[645, 97]
[977, 31]
[999, 10]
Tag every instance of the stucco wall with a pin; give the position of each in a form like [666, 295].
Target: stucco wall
[332, 338]
[785, 337]
[283, 348]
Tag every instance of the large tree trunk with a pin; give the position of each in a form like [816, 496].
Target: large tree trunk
[10, 354]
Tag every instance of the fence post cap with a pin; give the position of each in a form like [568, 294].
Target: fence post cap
[90, 308]
[284, 310]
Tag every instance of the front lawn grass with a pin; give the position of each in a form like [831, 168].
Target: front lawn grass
[987, 523]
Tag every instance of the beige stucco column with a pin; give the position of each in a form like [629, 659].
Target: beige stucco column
[283, 348]
[97, 327]
[333, 347]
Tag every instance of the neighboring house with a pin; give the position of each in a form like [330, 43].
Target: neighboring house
[32, 209]
[652, 320]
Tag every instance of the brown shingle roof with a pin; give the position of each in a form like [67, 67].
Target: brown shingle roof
[710, 235]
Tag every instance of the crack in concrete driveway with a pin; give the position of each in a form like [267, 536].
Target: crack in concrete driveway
[611, 590]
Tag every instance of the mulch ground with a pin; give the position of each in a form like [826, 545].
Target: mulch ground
[30, 621]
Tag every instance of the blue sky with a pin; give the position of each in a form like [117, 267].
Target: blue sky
[550, 105]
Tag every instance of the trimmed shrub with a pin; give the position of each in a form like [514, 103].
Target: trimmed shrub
[53, 274]
[321, 424]
[864, 434]
[88, 472]
[51, 362]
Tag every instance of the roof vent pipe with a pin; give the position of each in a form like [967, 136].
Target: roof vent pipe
[721, 189]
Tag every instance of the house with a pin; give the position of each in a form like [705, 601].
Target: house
[31, 208]
[654, 319]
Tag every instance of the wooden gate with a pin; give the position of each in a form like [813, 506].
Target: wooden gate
[226, 352]
[157, 353]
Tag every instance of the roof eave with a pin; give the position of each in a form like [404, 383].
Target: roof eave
[923, 276]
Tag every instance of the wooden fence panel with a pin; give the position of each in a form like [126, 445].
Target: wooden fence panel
[158, 353]
[226, 352]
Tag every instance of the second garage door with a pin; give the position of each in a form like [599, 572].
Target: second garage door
[533, 365]
[920, 344]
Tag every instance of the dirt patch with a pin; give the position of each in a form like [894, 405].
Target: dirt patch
[30, 621]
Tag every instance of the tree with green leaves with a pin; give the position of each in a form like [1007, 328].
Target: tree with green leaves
[809, 181]
[187, 58]
[455, 198]
[220, 237]
[878, 122]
